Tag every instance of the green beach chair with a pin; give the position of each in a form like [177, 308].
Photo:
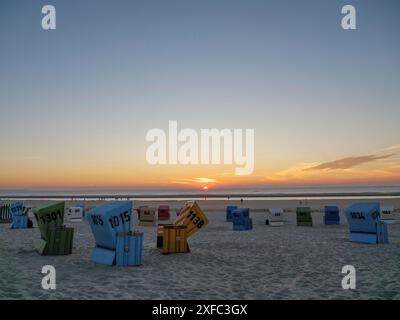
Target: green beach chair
[5, 213]
[56, 239]
[304, 217]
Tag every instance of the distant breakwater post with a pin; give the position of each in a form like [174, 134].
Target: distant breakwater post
[187, 147]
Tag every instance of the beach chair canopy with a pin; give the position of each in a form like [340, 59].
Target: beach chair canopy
[362, 217]
[331, 213]
[48, 217]
[17, 208]
[229, 210]
[107, 219]
[193, 217]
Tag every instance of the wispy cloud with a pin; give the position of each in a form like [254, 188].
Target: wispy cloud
[350, 162]
[395, 147]
[199, 180]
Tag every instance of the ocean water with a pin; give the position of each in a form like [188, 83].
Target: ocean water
[215, 193]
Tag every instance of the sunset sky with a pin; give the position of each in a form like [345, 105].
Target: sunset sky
[76, 102]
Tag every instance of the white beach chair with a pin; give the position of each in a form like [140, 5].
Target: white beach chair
[387, 214]
[275, 217]
[75, 213]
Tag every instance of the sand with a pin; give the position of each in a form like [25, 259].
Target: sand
[286, 262]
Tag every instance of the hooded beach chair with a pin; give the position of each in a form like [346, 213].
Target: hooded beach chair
[229, 210]
[365, 223]
[20, 219]
[163, 214]
[274, 217]
[115, 243]
[5, 213]
[387, 214]
[191, 219]
[75, 213]
[241, 219]
[147, 216]
[331, 215]
[304, 217]
[56, 239]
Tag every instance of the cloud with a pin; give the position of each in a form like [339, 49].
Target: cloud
[395, 147]
[347, 163]
[199, 180]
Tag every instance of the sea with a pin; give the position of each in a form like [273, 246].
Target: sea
[258, 192]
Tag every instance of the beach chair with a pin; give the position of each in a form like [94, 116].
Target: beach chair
[274, 217]
[115, 243]
[174, 237]
[387, 214]
[331, 215]
[304, 217]
[241, 219]
[20, 219]
[229, 210]
[138, 210]
[163, 214]
[75, 213]
[147, 216]
[365, 223]
[56, 239]
[5, 213]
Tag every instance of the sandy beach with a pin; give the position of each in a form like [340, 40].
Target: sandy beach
[286, 262]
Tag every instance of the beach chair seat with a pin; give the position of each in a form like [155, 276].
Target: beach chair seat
[111, 226]
[147, 216]
[163, 214]
[274, 217]
[331, 215]
[56, 239]
[304, 217]
[241, 219]
[129, 249]
[174, 239]
[365, 224]
[229, 210]
[387, 214]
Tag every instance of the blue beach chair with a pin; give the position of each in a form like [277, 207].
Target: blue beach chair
[365, 223]
[331, 215]
[241, 219]
[20, 219]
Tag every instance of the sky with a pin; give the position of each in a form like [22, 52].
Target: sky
[76, 102]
